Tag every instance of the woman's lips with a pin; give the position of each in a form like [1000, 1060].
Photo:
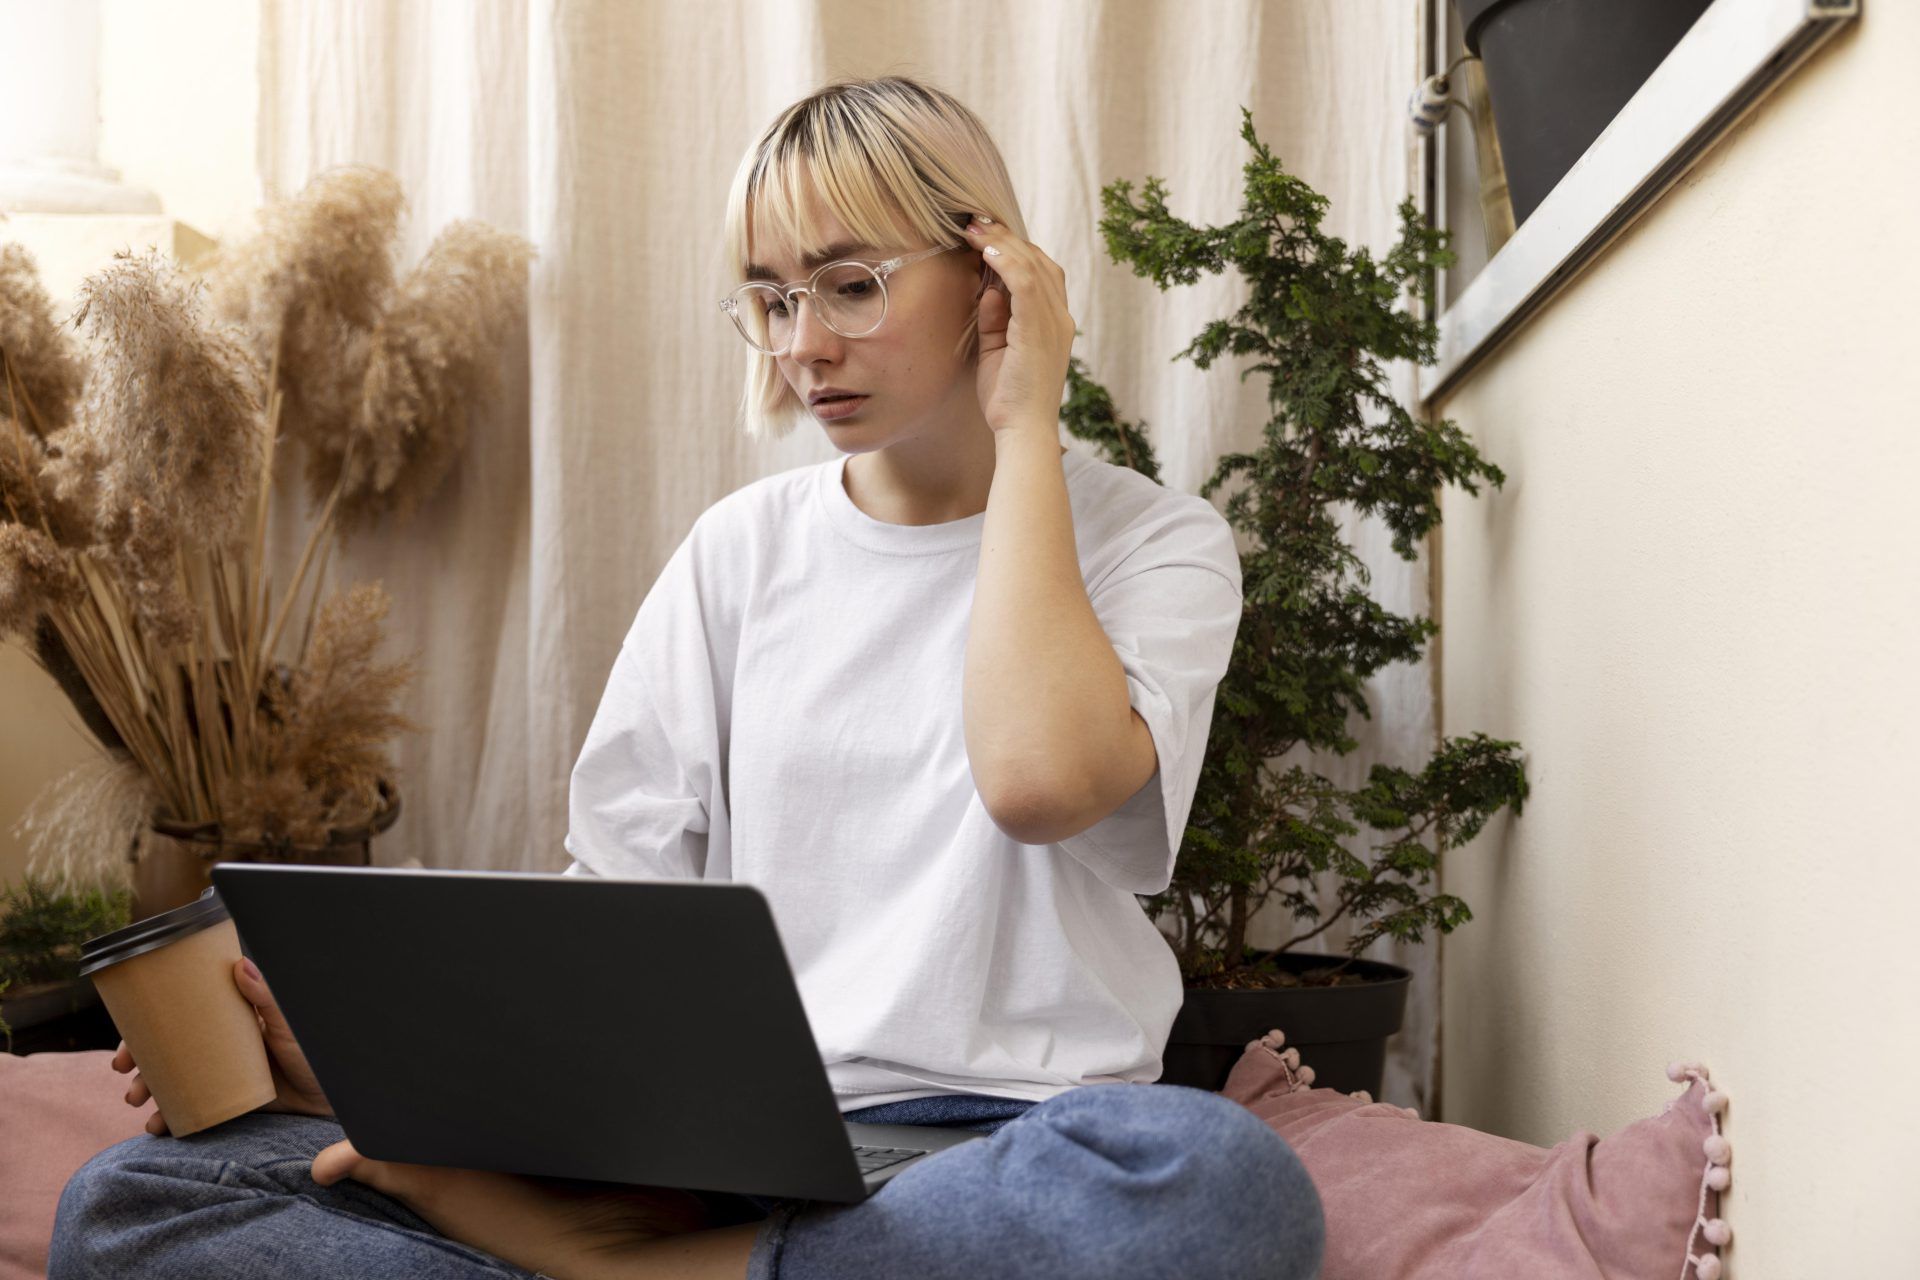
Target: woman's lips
[828, 410]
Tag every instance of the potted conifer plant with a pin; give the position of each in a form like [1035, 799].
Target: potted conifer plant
[1320, 320]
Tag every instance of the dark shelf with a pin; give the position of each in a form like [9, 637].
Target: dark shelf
[82, 1024]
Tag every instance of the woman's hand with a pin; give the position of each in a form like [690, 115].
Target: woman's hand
[1026, 332]
[295, 1088]
[559, 1226]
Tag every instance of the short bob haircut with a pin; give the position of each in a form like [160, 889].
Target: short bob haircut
[899, 162]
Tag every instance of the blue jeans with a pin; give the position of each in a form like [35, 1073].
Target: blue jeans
[1108, 1181]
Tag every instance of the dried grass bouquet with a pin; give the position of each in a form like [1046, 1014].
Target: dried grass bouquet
[136, 481]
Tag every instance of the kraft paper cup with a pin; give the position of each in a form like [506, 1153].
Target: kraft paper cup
[168, 983]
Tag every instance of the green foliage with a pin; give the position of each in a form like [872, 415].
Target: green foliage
[41, 932]
[1322, 323]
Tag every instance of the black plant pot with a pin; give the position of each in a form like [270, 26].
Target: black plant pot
[1558, 71]
[1341, 1031]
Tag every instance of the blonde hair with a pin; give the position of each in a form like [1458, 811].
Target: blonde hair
[898, 161]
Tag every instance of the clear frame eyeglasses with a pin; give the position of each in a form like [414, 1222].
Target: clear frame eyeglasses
[849, 296]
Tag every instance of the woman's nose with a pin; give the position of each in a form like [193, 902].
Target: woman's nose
[810, 332]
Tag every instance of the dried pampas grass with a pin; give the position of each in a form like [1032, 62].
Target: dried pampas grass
[169, 436]
[80, 829]
[21, 457]
[329, 726]
[325, 253]
[308, 289]
[142, 548]
[36, 575]
[44, 370]
[342, 697]
[379, 379]
[435, 355]
[27, 496]
[166, 450]
[310, 286]
[136, 486]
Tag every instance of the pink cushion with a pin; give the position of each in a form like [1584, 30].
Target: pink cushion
[1417, 1200]
[57, 1111]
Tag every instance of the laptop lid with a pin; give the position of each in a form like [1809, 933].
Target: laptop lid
[634, 1031]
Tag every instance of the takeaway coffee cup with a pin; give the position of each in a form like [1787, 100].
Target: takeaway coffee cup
[168, 983]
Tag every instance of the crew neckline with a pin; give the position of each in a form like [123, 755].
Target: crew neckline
[904, 539]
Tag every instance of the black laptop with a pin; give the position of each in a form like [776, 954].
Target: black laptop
[634, 1031]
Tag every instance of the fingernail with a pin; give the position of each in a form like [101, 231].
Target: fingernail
[252, 970]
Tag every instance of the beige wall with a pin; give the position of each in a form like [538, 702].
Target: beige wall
[40, 738]
[178, 107]
[1695, 604]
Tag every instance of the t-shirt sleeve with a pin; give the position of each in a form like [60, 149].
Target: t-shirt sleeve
[1172, 612]
[647, 797]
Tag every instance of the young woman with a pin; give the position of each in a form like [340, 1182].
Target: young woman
[944, 700]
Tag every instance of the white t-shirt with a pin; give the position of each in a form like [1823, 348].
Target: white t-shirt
[785, 711]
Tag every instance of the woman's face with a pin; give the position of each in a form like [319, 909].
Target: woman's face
[913, 382]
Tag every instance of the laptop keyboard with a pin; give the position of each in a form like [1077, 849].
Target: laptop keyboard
[875, 1158]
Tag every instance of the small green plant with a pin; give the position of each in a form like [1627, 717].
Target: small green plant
[1319, 322]
[41, 931]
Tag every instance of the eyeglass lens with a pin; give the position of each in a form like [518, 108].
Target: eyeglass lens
[847, 296]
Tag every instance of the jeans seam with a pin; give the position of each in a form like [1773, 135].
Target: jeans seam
[263, 1165]
[763, 1261]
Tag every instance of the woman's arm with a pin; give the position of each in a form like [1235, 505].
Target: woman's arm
[566, 1229]
[1054, 743]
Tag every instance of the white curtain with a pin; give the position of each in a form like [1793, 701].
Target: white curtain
[607, 132]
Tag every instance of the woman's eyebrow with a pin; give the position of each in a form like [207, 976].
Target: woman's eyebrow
[832, 252]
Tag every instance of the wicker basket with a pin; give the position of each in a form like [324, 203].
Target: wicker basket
[173, 861]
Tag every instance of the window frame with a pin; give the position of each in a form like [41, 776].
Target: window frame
[1735, 55]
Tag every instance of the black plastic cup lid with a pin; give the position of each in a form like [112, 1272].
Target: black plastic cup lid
[152, 933]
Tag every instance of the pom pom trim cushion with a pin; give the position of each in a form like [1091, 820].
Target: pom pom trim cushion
[1418, 1200]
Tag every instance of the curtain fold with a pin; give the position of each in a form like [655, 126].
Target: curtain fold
[608, 134]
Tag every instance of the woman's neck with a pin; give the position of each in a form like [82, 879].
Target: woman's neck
[916, 483]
